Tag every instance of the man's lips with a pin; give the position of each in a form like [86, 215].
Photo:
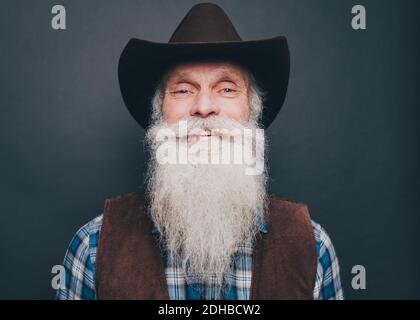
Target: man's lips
[204, 133]
[202, 137]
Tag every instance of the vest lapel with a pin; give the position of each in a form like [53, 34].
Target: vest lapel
[129, 263]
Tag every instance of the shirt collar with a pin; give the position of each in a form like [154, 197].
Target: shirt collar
[262, 225]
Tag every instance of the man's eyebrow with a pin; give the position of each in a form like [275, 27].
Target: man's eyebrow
[185, 77]
[228, 77]
[180, 78]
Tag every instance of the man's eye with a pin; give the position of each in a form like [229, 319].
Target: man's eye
[182, 91]
[228, 90]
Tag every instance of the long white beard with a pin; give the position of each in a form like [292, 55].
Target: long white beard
[204, 212]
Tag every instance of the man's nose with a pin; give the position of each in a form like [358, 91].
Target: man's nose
[204, 106]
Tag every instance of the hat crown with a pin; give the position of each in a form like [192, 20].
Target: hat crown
[205, 22]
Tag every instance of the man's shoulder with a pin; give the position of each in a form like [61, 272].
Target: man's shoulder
[322, 239]
[299, 207]
[286, 202]
[130, 196]
[95, 224]
[91, 228]
[287, 210]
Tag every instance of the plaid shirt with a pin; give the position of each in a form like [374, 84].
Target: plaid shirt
[80, 258]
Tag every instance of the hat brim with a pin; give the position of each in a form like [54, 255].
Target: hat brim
[142, 64]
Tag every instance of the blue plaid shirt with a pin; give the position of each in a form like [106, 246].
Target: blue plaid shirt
[80, 259]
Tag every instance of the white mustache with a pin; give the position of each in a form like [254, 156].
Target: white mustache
[210, 126]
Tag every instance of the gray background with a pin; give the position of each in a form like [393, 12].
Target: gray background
[346, 141]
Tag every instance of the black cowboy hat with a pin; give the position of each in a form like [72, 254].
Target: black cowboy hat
[205, 33]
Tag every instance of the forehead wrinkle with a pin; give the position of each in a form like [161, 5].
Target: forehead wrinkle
[180, 76]
[224, 75]
[232, 76]
[236, 69]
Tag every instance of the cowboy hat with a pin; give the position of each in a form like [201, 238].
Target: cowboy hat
[204, 33]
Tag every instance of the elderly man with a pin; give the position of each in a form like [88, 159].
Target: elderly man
[206, 228]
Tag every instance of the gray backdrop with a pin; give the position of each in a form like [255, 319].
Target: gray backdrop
[346, 141]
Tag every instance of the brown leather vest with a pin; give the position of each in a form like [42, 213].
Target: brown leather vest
[129, 261]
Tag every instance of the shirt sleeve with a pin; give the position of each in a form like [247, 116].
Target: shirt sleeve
[79, 264]
[328, 282]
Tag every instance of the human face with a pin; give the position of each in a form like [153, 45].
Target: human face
[202, 89]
